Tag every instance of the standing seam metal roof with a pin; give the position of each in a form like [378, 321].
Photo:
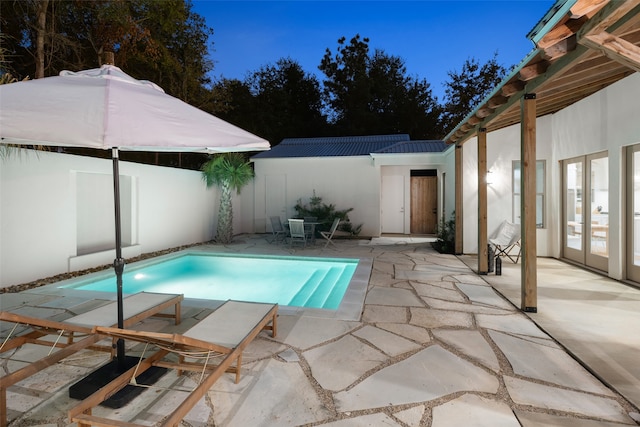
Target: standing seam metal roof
[350, 146]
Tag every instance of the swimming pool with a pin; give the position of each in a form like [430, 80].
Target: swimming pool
[290, 281]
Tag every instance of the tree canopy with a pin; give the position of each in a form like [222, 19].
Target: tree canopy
[467, 87]
[363, 92]
[162, 41]
[371, 93]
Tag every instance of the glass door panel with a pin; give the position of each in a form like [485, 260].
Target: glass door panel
[597, 218]
[633, 213]
[586, 210]
[573, 210]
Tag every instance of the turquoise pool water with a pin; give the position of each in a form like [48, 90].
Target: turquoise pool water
[292, 281]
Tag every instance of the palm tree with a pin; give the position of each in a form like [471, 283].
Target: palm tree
[229, 171]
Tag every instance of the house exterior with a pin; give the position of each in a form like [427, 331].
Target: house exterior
[393, 184]
[554, 147]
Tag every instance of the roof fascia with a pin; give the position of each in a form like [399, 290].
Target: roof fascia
[408, 159]
[544, 27]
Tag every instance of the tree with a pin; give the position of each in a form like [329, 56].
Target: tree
[229, 171]
[289, 101]
[371, 93]
[276, 102]
[467, 88]
[162, 41]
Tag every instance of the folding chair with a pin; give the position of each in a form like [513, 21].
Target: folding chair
[277, 229]
[505, 239]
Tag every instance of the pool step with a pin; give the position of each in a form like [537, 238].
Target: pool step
[315, 296]
[308, 288]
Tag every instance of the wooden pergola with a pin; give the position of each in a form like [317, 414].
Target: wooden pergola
[581, 47]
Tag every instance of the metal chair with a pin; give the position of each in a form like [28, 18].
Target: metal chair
[310, 228]
[277, 229]
[328, 235]
[297, 232]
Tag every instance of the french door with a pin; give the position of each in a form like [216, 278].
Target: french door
[586, 210]
[633, 213]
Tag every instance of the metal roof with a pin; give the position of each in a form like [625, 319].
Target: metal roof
[349, 146]
[581, 47]
[418, 146]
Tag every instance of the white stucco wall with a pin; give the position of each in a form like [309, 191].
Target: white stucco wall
[346, 182]
[606, 121]
[38, 229]
[449, 183]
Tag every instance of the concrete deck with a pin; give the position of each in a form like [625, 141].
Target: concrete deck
[436, 346]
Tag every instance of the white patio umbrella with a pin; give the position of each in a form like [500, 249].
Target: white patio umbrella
[105, 108]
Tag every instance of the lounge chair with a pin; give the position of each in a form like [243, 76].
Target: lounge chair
[505, 239]
[137, 307]
[297, 232]
[223, 334]
[277, 229]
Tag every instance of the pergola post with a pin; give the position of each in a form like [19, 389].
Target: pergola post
[529, 280]
[458, 201]
[483, 255]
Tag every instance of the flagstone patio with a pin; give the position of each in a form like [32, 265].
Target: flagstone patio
[436, 346]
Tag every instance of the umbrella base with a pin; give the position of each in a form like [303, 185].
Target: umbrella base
[108, 372]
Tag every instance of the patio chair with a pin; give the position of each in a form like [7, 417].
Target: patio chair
[505, 239]
[277, 229]
[328, 235]
[31, 330]
[310, 223]
[296, 232]
[223, 335]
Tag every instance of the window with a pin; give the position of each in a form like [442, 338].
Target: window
[540, 192]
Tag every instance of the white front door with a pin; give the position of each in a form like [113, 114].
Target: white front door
[392, 204]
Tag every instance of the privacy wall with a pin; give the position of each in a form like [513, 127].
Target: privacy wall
[57, 214]
[346, 182]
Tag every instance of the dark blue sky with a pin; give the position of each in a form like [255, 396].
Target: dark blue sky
[432, 37]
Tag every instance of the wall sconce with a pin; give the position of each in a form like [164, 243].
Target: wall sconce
[489, 177]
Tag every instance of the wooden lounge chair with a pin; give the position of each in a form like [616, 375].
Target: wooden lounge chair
[223, 335]
[137, 307]
[333, 231]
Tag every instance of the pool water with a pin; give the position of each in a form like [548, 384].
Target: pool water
[291, 281]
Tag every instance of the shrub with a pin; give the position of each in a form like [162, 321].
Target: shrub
[326, 213]
[446, 234]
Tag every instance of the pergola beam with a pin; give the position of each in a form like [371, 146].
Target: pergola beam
[615, 48]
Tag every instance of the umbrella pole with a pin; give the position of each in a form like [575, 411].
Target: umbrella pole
[118, 263]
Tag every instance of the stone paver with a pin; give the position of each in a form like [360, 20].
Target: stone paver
[472, 344]
[393, 296]
[387, 342]
[430, 374]
[550, 364]
[560, 399]
[474, 411]
[433, 319]
[338, 364]
[435, 346]
[273, 393]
